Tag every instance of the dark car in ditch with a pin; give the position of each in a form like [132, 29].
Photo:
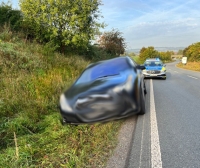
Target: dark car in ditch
[106, 90]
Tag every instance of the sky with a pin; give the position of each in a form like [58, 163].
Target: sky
[158, 23]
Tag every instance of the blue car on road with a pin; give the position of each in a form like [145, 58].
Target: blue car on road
[154, 68]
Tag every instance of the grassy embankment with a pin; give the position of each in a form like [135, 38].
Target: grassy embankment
[31, 80]
[195, 66]
[137, 59]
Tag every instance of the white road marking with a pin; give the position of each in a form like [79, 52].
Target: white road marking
[192, 77]
[176, 71]
[156, 161]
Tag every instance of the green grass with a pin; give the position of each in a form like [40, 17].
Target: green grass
[31, 81]
[137, 59]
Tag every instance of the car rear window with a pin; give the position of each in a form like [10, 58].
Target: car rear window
[107, 68]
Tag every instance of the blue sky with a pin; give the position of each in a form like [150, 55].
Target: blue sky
[158, 23]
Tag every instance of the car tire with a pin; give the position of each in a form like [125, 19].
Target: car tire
[142, 102]
[145, 89]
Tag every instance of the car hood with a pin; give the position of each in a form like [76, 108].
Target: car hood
[100, 99]
[100, 85]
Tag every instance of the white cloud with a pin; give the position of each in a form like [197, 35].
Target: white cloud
[154, 22]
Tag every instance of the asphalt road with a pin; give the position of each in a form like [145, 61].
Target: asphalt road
[168, 135]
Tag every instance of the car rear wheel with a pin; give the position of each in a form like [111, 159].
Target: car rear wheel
[142, 102]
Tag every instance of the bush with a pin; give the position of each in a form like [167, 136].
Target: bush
[10, 16]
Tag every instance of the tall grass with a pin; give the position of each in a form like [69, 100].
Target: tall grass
[195, 66]
[31, 79]
[137, 59]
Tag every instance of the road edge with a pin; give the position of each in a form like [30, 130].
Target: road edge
[121, 152]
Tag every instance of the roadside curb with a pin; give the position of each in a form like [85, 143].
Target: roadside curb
[121, 152]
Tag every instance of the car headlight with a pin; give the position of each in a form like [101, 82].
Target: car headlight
[64, 104]
[163, 69]
[144, 71]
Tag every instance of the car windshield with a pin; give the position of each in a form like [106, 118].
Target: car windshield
[107, 68]
[153, 63]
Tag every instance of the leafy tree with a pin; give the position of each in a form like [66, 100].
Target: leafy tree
[180, 52]
[112, 42]
[149, 52]
[142, 50]
[166, 56]
[65, 23]
[192, 52]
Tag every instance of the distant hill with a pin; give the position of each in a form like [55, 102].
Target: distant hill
[160, 49]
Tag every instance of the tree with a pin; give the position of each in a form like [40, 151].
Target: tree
[149, 52]
[10, 17]
[192, 52]
[166, 56]
[180, 52]
[66, 23]
[112, 42]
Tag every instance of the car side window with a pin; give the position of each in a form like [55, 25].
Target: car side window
[108, 68]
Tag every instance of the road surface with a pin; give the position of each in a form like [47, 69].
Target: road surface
[168, 135]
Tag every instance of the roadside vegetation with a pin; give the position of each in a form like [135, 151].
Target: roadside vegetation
[39, 59]
[32, 79]
[192, 53]
[195, 66]
[150, 52]
[35, 68]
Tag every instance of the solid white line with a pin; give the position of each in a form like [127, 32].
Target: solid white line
[192, 77]
[176, 71]
[156, 161]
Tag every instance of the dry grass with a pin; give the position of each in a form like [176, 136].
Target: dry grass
[32, 79]
[195, 66]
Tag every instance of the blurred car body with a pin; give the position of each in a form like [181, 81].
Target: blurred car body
[106, 90]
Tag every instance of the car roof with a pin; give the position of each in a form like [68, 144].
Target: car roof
[109, 60]
[109, 67]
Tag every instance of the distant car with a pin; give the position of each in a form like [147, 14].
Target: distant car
[106, 90]
[154, 68]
